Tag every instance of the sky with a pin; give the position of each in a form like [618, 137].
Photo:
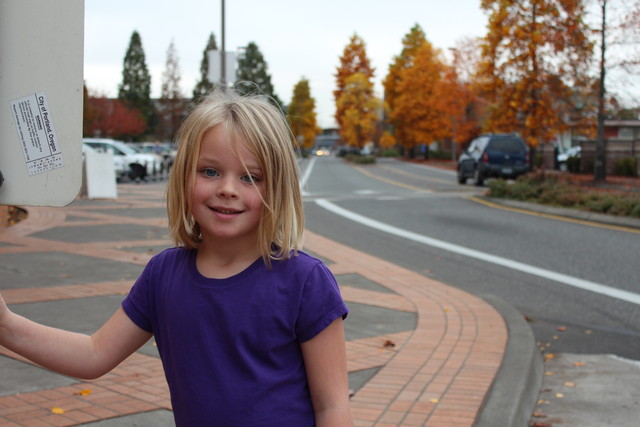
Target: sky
[297, 38]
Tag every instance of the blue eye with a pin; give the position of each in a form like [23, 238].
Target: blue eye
[208, 172]
[250, 179]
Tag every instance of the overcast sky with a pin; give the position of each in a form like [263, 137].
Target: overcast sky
[298, 38]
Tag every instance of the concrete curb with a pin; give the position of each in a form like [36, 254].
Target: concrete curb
[514, 392]
[620, 221]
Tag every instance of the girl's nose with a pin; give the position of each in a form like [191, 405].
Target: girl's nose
[227, 188]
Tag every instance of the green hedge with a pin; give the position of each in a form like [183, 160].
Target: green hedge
[550, 191]
[627, 166]
[359, 159]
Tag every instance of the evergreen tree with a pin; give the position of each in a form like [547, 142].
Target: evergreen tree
[253, 68]
[204, 86]
[135, 89]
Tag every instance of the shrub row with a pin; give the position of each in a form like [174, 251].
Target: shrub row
[549, 190]
[360, 159]
[627, 166]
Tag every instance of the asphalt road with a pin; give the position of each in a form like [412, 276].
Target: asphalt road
[563, 275]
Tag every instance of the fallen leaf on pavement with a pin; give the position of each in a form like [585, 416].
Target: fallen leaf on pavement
[389, 343]
[538, 414]
[549, 374]
[579, 364]
[570, 384]
[549, 356]
[561, 328]
[57, 410]
[559, 395]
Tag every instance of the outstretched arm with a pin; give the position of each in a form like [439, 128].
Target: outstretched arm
[326, 363]
[71, 353]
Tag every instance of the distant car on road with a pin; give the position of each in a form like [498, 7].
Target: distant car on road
[139, 165]
[496, 155]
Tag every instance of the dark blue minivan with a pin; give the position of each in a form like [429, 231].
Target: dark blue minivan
[496, 155]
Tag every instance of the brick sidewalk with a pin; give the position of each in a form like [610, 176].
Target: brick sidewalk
[437, 374]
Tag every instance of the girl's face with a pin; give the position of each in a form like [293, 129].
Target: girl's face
[227, 200]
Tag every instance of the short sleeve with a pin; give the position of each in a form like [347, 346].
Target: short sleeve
[137, 304]
[321, 303]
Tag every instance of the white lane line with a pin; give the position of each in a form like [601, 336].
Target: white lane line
[515, 265]
[306, 175]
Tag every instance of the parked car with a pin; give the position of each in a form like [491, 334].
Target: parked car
[139, 165]
[166, 150]
[118, 162]
[564, 157]
[496, 155]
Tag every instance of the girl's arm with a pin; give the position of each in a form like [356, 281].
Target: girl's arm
[71, 353]
[326, 364]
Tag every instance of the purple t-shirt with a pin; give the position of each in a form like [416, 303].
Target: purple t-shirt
[231, 347]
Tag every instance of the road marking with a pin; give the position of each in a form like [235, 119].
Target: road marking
[515, 265]
[306, 175]
[391, 181]
[552, 216]
[413, 175]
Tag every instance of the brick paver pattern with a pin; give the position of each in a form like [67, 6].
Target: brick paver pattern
[435, 375]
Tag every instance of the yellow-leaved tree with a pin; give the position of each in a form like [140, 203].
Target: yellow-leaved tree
[359, 110]
[534, 56]
[301, 113]
[353, 60]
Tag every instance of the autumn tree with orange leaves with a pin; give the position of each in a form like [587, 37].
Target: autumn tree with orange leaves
[412, 91]
[360, 110]
[353, 60]
[410, 44]
[111, 118]
[534, 55]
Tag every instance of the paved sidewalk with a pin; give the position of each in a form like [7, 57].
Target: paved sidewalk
[419, 352]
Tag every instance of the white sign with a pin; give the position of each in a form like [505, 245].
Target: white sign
[215, 67]
[36, 133]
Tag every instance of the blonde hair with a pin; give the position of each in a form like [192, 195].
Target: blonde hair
[262, 125]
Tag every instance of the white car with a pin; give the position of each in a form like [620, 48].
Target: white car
[139, 165]
[118, 162]
[563, 157]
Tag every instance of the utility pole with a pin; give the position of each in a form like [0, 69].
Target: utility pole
[600, 155]
[223, 62]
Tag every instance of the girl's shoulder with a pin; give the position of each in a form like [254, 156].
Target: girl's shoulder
[303, 260]
[171, 257]
[302, 265]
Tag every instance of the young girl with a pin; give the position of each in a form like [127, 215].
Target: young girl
[249, 328]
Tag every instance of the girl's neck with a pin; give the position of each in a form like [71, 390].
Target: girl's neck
[220, 261]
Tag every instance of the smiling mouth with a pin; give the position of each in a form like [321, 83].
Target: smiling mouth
[225, 211]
